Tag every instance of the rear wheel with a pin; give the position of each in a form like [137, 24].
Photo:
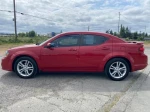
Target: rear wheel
[25, 67]
[117, 69]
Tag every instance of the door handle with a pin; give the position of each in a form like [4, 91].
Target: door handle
[105, 48]
[72, 49]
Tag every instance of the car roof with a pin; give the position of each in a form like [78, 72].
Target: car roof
[87, 32]
[75, 32]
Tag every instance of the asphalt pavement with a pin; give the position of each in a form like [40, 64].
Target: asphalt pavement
[75, 92]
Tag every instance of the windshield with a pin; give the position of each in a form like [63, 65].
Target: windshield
[46, 41]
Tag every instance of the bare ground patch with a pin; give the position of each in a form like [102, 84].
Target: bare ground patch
[5, 47]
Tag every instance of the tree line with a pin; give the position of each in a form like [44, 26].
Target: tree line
[126, 33]
[28, 34]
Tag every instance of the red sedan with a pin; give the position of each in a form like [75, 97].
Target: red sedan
[77, 52]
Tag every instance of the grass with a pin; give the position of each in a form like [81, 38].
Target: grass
[5, 47]
[9, 42]
[147, 42]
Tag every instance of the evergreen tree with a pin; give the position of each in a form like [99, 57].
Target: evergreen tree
[122, 32]
[135, 35]
[128, 33]
[115, 33]
[107, 31]
[146, 35]
[111, 32]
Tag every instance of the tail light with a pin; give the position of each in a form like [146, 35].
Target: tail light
[141, 49]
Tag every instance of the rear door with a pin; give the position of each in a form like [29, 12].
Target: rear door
[92, 51]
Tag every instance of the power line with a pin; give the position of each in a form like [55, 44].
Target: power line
[127, 19]
[131, 22]
[134, 24]
[26, 14]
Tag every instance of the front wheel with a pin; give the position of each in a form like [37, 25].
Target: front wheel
[117, 69]
[25, 67]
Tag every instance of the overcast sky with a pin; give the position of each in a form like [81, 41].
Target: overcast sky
[75, 15]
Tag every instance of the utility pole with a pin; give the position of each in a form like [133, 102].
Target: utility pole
[119, 23]
[61, 31]
[88, 28]
[15, 20]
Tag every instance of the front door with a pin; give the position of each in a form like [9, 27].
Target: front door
[63, 56]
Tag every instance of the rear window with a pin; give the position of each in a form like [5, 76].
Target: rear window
[88, 40]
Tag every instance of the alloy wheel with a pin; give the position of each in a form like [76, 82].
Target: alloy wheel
[25, 68]
[117, 70]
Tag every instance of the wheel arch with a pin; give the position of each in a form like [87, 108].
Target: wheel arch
[126, 59]
[19, 56]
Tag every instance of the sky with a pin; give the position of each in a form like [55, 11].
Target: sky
[75, 15]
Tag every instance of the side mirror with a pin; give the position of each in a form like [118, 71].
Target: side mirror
[37, 43]
[50, 45]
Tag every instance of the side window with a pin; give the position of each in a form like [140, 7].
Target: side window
[66, 41]
[89, 40]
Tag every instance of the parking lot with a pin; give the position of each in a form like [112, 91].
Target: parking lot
[75, 92]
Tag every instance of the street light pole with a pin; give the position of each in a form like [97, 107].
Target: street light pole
[15, 20]
[119, 24]
[88, 28]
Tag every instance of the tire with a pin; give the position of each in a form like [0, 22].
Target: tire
[25, 67]
[117, 69]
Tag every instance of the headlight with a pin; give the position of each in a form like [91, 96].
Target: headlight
[6, 54]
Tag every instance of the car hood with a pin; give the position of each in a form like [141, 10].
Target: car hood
[23, 47]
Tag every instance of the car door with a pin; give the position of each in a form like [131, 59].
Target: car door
[92, 51]
[64, 55]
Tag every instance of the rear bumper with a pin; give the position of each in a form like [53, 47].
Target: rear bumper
[139, 67]
[143, 63]
[6, 64]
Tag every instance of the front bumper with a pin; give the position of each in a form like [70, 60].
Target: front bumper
[6, 64]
